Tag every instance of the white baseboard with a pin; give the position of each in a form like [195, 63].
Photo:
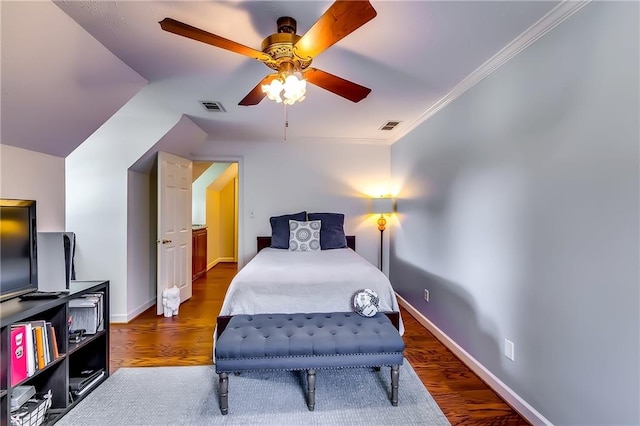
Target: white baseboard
[131, 315]
[118, 319]
[512, 398]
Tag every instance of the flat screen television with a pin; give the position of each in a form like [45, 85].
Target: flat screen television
[18, 248]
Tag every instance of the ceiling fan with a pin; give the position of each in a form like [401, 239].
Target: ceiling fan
[290, 54]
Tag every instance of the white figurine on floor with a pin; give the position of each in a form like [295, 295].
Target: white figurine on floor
[171, 301]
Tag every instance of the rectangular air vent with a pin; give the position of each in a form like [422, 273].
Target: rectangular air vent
[213, 106]
[390, 125]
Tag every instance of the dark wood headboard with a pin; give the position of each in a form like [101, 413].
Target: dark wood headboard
[266, 242]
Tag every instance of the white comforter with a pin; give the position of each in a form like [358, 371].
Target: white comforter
[283, 281]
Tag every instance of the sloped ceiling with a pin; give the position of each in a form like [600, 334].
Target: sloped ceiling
[59, 84]
[68, 66]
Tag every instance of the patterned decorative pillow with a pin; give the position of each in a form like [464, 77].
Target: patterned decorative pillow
[304, 236]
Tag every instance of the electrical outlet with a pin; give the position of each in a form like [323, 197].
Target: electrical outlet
[509, 349]
[426, 295]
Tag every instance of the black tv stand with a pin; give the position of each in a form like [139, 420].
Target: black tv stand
[70, 359]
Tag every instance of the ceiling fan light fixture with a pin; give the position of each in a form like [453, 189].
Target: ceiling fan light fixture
[295, 88]
[289, 53]
[291, 86]
[273, 89]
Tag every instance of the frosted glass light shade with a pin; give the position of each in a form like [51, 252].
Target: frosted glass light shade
[382, 205]
[273, 90]
[293, 87]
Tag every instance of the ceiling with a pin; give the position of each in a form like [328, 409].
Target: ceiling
[68, 66]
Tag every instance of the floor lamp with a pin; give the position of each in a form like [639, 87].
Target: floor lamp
[382, 206]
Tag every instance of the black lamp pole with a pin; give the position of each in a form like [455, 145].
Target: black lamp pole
[381, 226]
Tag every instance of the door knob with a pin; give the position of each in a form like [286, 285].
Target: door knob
[166, 241]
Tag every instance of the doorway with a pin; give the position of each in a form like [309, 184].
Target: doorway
[215, 207]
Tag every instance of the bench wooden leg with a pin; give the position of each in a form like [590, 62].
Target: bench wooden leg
[224, 393]
[395, 376]
[311, 389]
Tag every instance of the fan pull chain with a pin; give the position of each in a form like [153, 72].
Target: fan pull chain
[286, 122]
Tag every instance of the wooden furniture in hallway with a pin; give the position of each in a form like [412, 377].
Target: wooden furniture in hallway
[199, 248]
[187, 339]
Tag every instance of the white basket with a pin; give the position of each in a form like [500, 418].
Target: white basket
[32, 412]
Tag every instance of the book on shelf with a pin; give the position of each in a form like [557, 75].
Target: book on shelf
[30, 347]
[50, 350]
[40, 349]
[54, 341]
[33, 347]
[45, 341]
[31, 355]
[19, 365]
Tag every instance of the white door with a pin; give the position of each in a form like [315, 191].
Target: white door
[174, 226]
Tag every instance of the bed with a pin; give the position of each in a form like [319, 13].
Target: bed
[283, 281]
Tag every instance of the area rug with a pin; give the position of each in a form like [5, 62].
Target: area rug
[189, 396]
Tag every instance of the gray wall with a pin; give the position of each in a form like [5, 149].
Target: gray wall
[519, 210]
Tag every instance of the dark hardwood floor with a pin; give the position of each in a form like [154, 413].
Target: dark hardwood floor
[187, 339]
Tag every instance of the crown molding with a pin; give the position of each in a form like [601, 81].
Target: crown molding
[552, 19]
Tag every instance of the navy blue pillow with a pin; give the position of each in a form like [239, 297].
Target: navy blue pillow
[331, 231]
[280, 228]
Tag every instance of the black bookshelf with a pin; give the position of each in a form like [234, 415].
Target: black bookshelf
[90, 353]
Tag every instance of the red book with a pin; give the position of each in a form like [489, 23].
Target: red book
[18, 354]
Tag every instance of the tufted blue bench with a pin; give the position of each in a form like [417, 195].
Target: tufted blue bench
[307, 342]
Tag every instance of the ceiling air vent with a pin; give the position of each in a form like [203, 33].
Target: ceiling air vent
[213, 106]
[390, 125]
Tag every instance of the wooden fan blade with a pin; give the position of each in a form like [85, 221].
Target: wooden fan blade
[185, 30]
[256, 95]
[341, 19]
[341, 87]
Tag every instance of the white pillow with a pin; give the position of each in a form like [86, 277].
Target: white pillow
[304, 236]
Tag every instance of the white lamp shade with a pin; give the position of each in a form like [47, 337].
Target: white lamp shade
[382, 205]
